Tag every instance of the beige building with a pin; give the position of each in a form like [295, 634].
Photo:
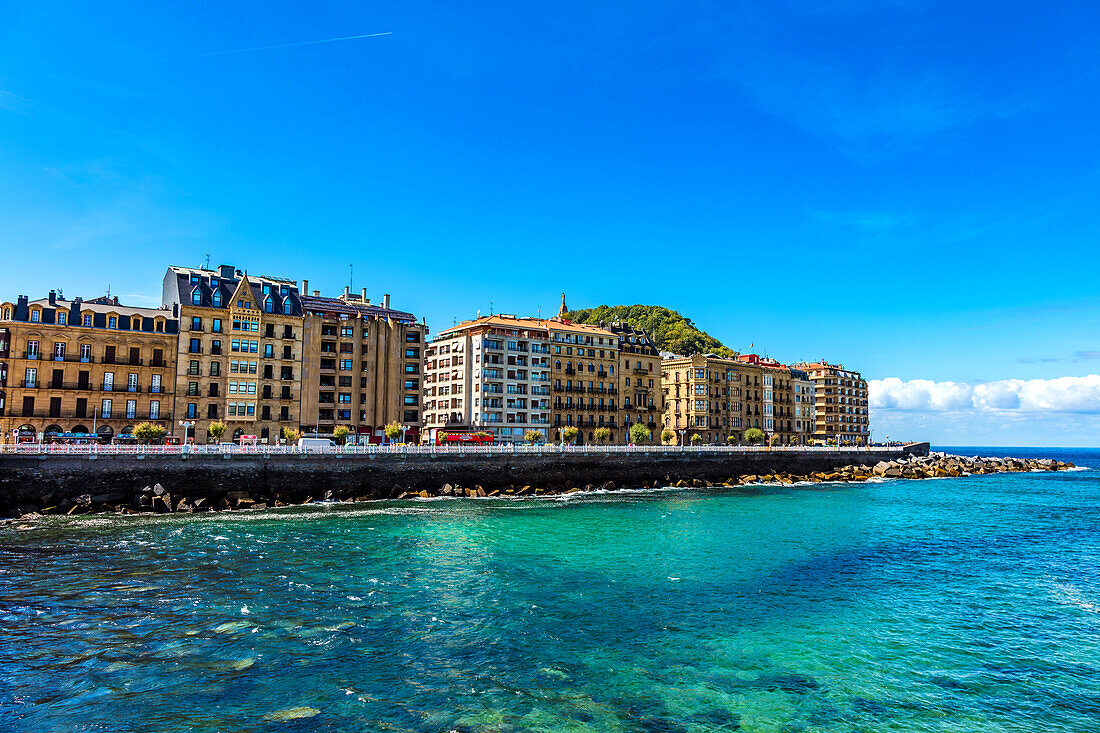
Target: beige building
[492, 375]
[641, 397]
[239, 354]
[84, 366]
[362, 366]
[840, 403]
[712, 396]
[585, 378]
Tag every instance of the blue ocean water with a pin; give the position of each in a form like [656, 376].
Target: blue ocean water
[967, 604]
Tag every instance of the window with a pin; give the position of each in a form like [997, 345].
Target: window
[85, 353]
[196, 297]
[88, 320]
[216, 325]
[105, 409]
[108, 381]
[269, 305]
[155, 386]
[32, 349]
[216, 299]
[132, 383]
[345, 365]
[192, 409]
[196, 323]
[193, 368]
[195, 347]
[35, 316]
[269, 351]
[131, 409]
[345, 398]
[154, 410]
[215, 368]
[59, 350]
[61, 318]
[112, 322]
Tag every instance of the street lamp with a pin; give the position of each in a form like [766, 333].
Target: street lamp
[186, 425]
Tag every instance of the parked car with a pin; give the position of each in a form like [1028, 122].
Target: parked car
[316, 443]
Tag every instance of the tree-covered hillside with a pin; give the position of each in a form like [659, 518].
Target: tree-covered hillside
[668, 329]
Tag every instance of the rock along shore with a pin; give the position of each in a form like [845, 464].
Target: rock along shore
[158, 499]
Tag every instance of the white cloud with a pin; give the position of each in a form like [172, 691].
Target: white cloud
[1062, 395]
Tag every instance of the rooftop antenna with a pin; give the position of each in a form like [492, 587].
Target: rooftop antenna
[490, 307]
[351, 277]
[61, 294]
[108, 290]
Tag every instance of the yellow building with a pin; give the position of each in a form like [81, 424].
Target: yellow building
[362, 366]
[239, 354]
[641, 397]
[711, 396]
[584, 377]
[84, 366]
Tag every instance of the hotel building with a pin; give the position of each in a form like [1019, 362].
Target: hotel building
[362, 366]
[239, 353]
[642, 400]
[805, 422]
[584, 377]
[840, 403]
[84, 366]
[712, 396]
[492, 375]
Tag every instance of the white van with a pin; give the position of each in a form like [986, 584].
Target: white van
[316, 443]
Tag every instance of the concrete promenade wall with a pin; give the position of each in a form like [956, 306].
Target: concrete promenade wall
[296, 477]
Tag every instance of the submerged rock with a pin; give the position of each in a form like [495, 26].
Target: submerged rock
[292, 714]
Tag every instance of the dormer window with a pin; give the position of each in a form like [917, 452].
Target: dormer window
[35, 316]
[288, 308]
[196, 297]
[112, 322]
[194, 279]
[61, 319]
[88, 320]
[217, 299]
[269, 305]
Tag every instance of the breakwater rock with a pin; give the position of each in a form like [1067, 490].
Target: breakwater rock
[72, 484]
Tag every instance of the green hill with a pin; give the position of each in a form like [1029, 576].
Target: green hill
[668, 329]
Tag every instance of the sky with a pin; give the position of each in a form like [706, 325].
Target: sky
[903, 186]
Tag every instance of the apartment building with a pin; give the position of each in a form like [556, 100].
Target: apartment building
[585, 378]
[840, 403]
[776, 399]
[490, 374]
[84, 366]
[642, 400]
[712, 396]
[805, 422]
[362, 366]
[239, 352]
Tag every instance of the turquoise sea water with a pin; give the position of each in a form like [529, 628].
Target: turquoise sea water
[942, 605]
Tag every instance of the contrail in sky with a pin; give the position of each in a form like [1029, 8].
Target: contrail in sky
[291, 45]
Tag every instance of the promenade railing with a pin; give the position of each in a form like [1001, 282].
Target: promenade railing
[401, 449]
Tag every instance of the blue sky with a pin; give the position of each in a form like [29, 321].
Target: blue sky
[907, 187]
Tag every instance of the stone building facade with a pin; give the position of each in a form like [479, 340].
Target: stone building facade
[642, 399]
[239, 354]
[84, 366]
[362, 366]
[711, 396]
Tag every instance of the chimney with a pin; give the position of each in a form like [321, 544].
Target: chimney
[225, 271]
[74, 311]
[386, 301]
[316, 293]
[305, 286]
[22, 308]
[53, 297]
[347, 290]
[364, 295]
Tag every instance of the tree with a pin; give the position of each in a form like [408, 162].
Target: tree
[531, 437]
[393, 431]
[290, 435]
[753, 436]
[341, 434]
[669, 330]
[731, 439]
[570, 434]
[668, 437]
[216, 431]
[639, 433]
[696, 439]
[602, 435]
[147, 432]
[441, 437]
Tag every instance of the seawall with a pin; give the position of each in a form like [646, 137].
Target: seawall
[64, 479]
